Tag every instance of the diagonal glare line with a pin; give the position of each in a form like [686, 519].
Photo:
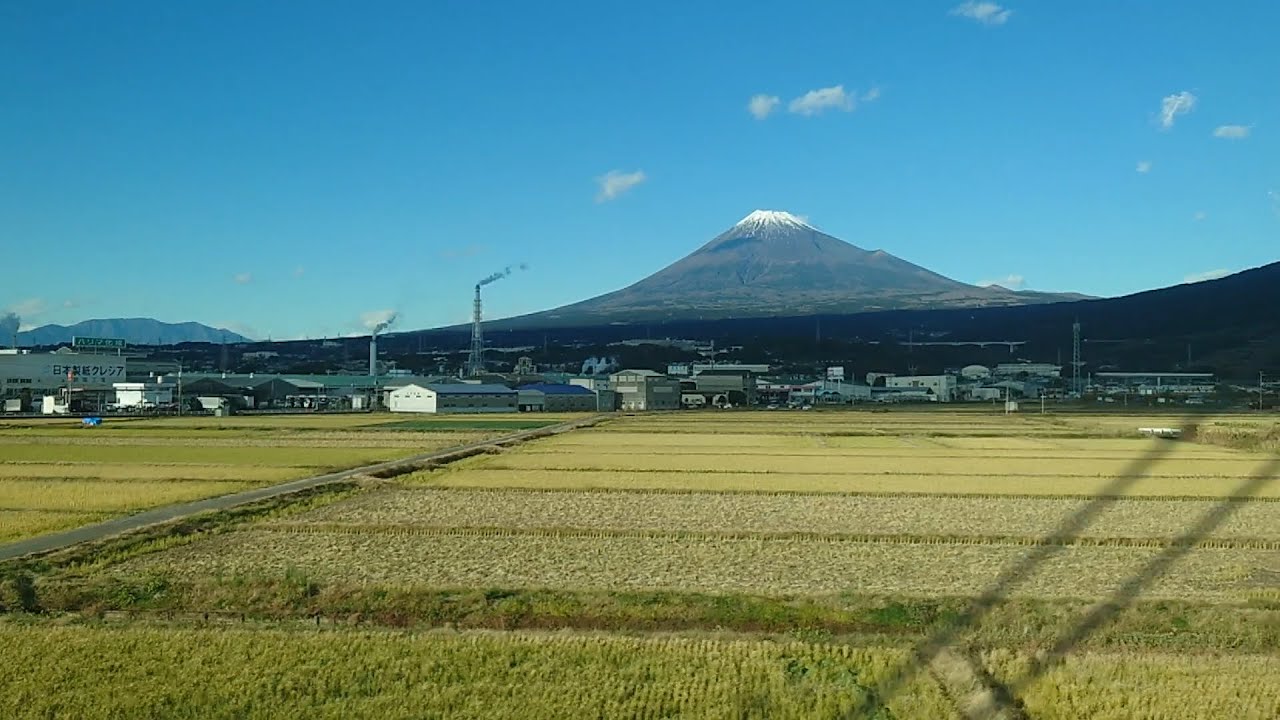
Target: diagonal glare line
[928, 649]
[1152, 571]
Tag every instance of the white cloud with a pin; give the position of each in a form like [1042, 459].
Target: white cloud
[871, 95]
[1206, 275]
[28, 308]
[1174, 105]
[762, 106]
[1144, 166]
[1012, 282]
[1232, 132]
[70, 304]
[243, 278]
[1200, 215]
[615, 182]
[818, 101]
[987, 13]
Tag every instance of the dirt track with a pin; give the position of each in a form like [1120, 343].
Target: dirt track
[117, 526]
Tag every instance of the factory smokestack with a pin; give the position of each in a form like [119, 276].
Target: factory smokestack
[9, 324]
[475, 358]
[377, 322]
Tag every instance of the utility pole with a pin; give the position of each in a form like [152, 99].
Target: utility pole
[1260, 391]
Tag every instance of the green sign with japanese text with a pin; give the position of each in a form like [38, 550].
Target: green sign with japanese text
[95, 342]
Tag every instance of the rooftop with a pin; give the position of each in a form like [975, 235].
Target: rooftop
[557, 389]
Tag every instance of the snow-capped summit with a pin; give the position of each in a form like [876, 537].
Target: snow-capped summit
[758, 219]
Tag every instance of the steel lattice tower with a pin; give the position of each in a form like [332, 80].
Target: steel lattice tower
[475, 359]
[1075, 359]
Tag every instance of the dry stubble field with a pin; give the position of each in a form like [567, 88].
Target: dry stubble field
[55, 474]
[857, 534]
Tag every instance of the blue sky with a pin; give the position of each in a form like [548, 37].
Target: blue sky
[286, 168]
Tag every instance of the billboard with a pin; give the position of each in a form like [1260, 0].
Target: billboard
[97, 342]
[53, 370]
[836, 373]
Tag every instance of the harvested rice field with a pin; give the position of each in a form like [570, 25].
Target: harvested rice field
[56, 474]
[923, 564]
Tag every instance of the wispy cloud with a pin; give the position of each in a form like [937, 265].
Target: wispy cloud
[299, 271]
[762, 106]
[1200, 215]
[1174, 105]
[987, 13]
[1012, 282]
[1232, 132]
[816, 102]
[1274, 197]
[28, 308]
[616, 182]
[1206, 275]
[70, 304]
[871, 95]
[243, 278]
[1144, 166]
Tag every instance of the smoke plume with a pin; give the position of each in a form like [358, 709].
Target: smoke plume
[501, 274]
[379, 320]
[9, 324]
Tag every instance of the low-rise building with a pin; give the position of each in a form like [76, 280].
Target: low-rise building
[722, 386]
[452, 398]
[555, 397]
[142, 394]
[645, 390]
[1153, 383]
[1030, 370]
[941, 387]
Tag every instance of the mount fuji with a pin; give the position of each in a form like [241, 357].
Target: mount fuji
[773, 263]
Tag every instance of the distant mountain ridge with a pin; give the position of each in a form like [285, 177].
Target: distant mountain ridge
[770, 264]
[135, 331]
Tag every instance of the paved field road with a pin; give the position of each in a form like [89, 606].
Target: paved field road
[108, 528]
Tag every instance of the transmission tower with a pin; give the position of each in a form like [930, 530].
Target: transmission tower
[475, 359]
[1076, 363]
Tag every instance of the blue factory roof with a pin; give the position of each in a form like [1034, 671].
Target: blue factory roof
[557, 389]
[469, 389]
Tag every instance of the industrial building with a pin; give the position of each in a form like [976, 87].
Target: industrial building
[143, 395]
[452, 398]
[1153, 383]
[719, 387]
[942, 388]
[690, 369]
[86, 379]
[555, 397]
[606, 398]
[645, 390]
[1040, 370]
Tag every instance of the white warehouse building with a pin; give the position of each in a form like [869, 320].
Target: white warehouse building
[941, 387]
[452, 398]
[143, 394]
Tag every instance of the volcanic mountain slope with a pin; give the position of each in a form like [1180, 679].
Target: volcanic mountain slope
[773, 263]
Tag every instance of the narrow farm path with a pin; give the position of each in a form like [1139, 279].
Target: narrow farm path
[117, 526]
